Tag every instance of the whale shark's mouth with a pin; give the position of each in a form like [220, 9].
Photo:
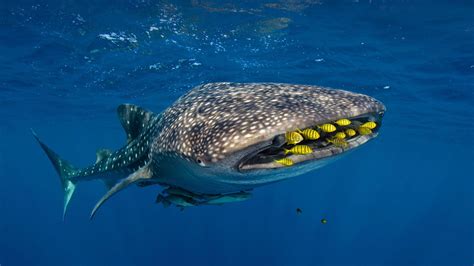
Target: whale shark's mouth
[327, 145]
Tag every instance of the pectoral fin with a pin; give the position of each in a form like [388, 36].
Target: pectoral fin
[140, 175]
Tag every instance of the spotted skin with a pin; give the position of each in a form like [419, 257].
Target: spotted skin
[129, 158]
[215, 120]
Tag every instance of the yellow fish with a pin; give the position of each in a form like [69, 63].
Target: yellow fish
[338, 142]
[328, 128]
[369, 125]
[299, 150]
[309, 133]
[340, 135]
[343, 122]
[350, 132]
[293, 137]
[285, 161]
[364, 130]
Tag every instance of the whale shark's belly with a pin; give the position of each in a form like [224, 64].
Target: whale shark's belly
[179, 174]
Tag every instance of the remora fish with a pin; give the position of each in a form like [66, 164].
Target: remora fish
[218, 139]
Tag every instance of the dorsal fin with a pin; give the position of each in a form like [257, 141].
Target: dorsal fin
[133, 119]
[102, 154]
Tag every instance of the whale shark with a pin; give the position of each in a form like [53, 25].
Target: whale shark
[219, 141]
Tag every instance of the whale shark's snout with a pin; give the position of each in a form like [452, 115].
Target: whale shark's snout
[268, 156]
[328, 107]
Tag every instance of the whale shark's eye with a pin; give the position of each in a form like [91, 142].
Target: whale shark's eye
[200, 162]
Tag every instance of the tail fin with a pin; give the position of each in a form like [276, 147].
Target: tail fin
[64, 169]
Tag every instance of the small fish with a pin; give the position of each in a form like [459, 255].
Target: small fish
[234, 197]
[324, 221]
[328, 128]
[370, 125]
[338, 142]
[340, 135]
[299, 150]
[285, 161]
[350, 132]
[343, 122]
[179, 201]
[310, 134]
[180, 192]
[293, 137]
[364, 130]
[299, 211]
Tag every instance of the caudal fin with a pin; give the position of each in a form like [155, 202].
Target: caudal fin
[65, 172]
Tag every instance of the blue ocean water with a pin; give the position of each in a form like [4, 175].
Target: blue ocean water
[405, 198]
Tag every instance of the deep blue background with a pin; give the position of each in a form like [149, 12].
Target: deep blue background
[405, 198]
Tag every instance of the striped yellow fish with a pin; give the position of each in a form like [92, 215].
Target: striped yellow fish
[338, 142]
[299, 150]
[364, 130]
[350, 132]
[285, 161]
[309, 133]
[293, 137]
[328, 128]
[340, 135]
[343, 122]
[369, 125]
